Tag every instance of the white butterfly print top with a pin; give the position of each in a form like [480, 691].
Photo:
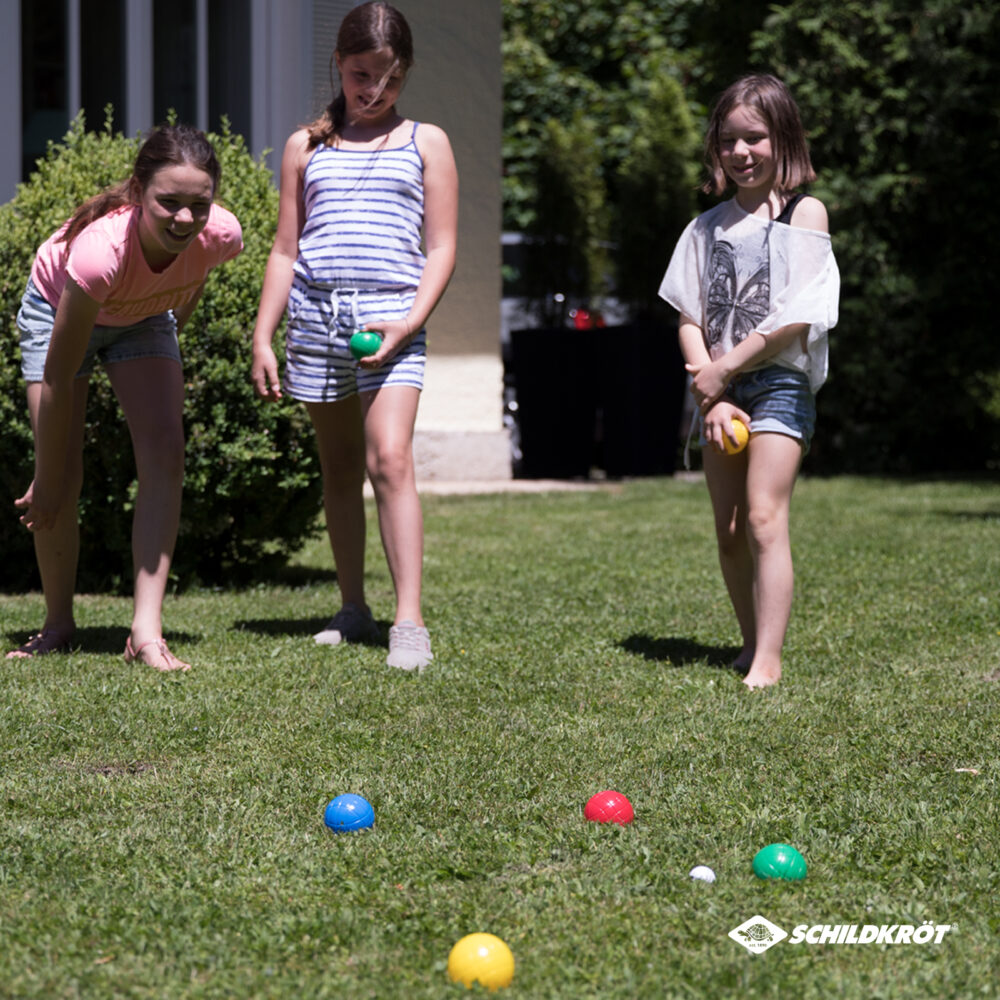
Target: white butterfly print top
[733, 308]
[734, 273]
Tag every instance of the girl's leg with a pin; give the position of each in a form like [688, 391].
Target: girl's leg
[57, 550]
[726, 477]
[341, 444]
[773, 464]
[390, 414]
[151, 394]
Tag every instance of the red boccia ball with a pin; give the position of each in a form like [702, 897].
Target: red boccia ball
[609, 807]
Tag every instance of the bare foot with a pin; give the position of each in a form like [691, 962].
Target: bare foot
[761, 677]
[744, 660]
[49, 640]
[155, 654]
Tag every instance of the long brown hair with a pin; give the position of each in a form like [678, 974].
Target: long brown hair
[770, 100]
[166, 146]
[367, 28]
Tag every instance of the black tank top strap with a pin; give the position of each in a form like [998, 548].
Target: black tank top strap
[786, 212]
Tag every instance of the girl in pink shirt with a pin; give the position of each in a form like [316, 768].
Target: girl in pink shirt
[116, 283]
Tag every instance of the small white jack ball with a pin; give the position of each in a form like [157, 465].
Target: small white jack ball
[703, 873]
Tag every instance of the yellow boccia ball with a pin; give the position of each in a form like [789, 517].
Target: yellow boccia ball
[482, 958]
[742, 436]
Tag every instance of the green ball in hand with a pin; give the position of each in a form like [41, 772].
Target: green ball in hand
[364, 343]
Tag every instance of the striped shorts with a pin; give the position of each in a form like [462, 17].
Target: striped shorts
[319, 365]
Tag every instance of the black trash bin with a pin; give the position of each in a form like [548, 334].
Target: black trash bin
[641, 399]
[555, 383]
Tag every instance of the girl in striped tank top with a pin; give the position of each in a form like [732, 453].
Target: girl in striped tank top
[358, 188]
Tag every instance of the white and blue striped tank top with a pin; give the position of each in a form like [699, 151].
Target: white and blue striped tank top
[364, 213]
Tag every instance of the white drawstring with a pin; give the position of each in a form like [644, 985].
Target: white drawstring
[336, 297]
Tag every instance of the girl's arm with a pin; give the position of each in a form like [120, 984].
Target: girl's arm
[718, 417]
[710, 378]
[279, 271]
[692, 342]
[75, 316]
[440, 243]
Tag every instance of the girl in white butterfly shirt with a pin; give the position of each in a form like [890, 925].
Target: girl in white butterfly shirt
[756, 285]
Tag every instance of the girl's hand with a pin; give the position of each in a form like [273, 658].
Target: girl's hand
[718, 421]
[396, 334]
[40, 508]
[708, 383]
[264, 373]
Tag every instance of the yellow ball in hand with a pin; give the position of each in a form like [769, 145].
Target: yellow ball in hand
[742, 434]
[482, 958]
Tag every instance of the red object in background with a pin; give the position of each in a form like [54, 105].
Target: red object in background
[609, 807]
[583, 319]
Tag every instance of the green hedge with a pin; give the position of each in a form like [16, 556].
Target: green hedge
[900, 100]
[252, 489]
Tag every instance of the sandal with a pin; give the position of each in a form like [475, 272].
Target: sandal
[49, 640]
[170, 662]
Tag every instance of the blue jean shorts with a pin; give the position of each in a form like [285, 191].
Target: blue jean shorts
[319, 367]
[778, 400]
[154, 337]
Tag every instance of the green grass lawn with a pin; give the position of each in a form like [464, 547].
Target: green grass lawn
[162, 836]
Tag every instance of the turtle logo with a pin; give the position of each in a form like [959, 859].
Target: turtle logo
[757, 934]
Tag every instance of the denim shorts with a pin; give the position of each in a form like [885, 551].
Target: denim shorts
[154, 337]
[319, 367]
[778, 400]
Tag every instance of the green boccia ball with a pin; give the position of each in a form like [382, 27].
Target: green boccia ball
[779, 861]
[364, 343]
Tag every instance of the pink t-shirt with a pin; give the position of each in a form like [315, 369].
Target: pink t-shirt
[107, 262]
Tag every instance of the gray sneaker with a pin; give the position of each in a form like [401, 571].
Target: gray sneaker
[409, 646]
[350, 624]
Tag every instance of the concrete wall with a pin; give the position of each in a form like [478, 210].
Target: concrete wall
[456, 82]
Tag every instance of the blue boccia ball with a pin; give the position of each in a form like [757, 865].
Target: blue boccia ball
[348, 812]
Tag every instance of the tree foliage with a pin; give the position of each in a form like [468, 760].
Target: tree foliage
[653, 212]
[901, 99]
[570, 228]
[598, 74]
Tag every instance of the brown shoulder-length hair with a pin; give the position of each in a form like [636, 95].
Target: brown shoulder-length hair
[770, 100]
[367, 28]
[166, 146]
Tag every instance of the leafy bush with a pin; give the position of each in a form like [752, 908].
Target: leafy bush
[655, 185]
[252, 487]
[570, 227]
[900, 98]
[600, 147]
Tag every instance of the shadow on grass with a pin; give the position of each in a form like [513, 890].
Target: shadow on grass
[301, 627]
[280, 626]
[969, 515]
[681, 652]
[99, 639]
[302, 576]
